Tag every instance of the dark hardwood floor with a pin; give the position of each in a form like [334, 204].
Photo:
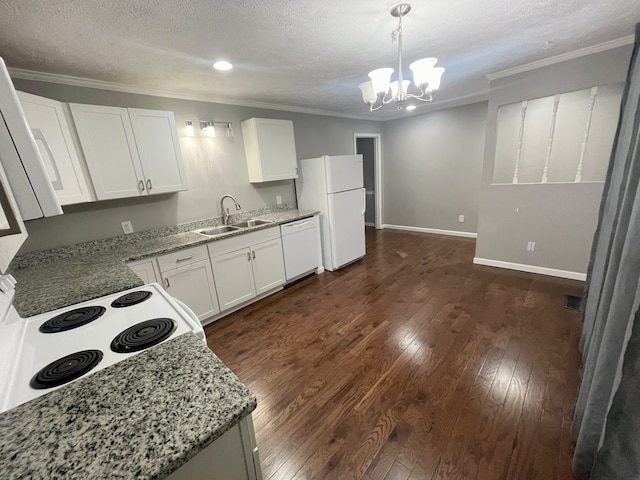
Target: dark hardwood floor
[410, 364]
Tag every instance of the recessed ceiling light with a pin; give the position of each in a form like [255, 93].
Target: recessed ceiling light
[222, 65]
[410, 107]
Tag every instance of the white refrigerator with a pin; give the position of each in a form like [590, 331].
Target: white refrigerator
[334, 186]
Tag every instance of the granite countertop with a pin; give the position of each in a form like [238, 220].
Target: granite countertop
[141, 418]
[48, 281]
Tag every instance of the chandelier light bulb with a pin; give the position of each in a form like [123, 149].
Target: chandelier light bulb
[434, 79]
[422, 70]
[381, 78]
[368, 93]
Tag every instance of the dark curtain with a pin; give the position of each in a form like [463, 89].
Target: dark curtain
[605, 424]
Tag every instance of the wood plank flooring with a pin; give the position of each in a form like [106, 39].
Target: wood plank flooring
[410, 364]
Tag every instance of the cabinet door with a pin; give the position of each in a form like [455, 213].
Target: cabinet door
[270, 149]
[110, 150]
[268, 265]
[145, 270]
[234, 278]
[159, 150]
[50, 129]
[194, 285]
[230, 457]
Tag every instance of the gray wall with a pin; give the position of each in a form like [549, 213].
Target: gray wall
[213, 166]
[560, 218]
[432, 168]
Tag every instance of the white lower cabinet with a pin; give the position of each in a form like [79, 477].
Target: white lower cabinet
[267, 265]
[223, 275]
[235, 278]
[187, 276]
[145, 269]
[233, 456]
[247, 266]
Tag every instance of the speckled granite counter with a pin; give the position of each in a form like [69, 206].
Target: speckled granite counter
[141, 418]
[56, 279]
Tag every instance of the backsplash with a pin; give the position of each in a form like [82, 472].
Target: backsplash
[34, 258]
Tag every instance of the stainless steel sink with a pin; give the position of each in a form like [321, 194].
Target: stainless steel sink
[254, 222]
[215, 231]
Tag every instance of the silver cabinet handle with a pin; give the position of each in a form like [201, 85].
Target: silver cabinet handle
[56, 181]
[253, 254]
[149, 184]
[166, 283]
[184, 259]
[248, 257]
[141, 185]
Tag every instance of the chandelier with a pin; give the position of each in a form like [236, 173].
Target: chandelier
[380, 90]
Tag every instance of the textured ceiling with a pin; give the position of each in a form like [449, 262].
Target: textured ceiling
[297, 53]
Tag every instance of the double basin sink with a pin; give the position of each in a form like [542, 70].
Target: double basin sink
[223, 229]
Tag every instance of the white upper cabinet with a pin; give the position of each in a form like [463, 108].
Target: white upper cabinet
[129, 152]
[159, 150]
[270, 149]
[107, 140]
[63, 164]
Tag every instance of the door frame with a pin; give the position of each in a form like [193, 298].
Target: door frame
[377, 170]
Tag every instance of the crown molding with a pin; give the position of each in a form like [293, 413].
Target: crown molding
[443, 105]
[124, 88]
[600, 47]
[24, 74]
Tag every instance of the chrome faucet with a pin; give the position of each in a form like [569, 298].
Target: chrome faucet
[225, 213]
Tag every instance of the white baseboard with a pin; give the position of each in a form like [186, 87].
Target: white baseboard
[437, 231]
[553, 272]
[369, 224]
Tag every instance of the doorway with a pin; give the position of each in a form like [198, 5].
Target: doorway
[368, 145]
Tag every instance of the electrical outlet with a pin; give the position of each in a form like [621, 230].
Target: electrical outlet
[461, 218]
[531, 246]
[127, 227]
[279, 200]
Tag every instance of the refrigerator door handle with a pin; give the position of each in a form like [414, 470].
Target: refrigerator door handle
[364, 201]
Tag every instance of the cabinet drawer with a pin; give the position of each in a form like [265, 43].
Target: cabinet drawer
[183, 257]
[226, 245]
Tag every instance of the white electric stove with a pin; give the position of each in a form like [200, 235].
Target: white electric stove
[43, 353]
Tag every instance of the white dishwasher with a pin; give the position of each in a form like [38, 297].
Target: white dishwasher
[300, 247]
